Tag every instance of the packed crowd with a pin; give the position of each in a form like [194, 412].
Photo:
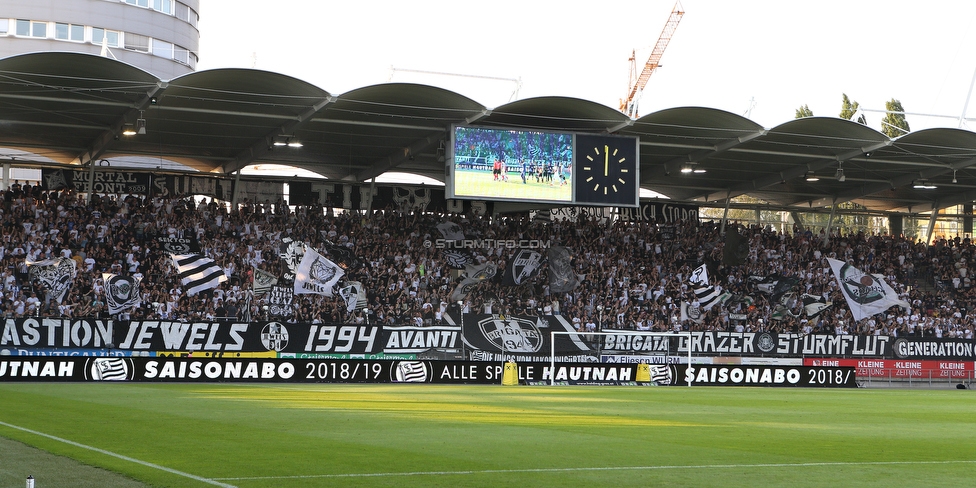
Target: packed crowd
[634, 276]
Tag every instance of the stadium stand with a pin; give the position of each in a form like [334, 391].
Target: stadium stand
[633, 275]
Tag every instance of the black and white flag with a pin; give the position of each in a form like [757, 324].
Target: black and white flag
[458, 258]
[815, 305]
[179, 245]
[121, 292]
[263, 281]
[280, 301]
[475, 274]
[708, 296]
[291, 252]
[450, 231]
[198, 273]
[354, 294]
[57, 274]
[562, 277]
[866, 294]
[692, 313]
[316, 274]
[342, 255]
[524, 265]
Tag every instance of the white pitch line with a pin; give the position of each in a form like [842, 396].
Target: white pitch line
[119, 456]
[608, 468]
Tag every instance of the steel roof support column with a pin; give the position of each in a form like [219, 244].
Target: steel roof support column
[830, 221]
[725, 215]
[6, 177]
[237, 190]
[797, 220]
[91, 181]
[935, 215]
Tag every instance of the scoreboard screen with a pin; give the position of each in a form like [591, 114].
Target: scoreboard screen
[510, 164]
[523, 165]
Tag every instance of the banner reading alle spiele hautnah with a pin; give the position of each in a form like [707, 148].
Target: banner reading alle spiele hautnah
[259, 370]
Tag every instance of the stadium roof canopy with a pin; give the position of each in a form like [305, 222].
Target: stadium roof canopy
[69, 108]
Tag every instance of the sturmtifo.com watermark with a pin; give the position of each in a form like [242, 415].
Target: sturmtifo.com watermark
[488, 244]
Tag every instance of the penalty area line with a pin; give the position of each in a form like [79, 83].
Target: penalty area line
[118, 456]
[606, 468]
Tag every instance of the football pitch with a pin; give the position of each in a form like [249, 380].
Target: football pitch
[251, 435]
[482, 184]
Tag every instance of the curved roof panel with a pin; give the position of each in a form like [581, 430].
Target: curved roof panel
[71, 108]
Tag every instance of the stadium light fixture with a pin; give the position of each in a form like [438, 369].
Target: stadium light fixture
[286, 141]
[923, 185]
[129, 130]
[812, 177]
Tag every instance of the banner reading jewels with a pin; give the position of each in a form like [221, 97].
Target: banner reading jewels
[480, 338]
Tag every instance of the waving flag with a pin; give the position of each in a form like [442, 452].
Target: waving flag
[263, 282]
[121, 292]
[316, 274]
[815, 305]
[198, 272]
[866, 294]
[57, 274]
[562, 278]
[708, 296]
[475, 275]
[354, 294]
[524, 265]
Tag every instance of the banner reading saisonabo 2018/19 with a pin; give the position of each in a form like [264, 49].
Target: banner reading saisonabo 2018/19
[164, 369]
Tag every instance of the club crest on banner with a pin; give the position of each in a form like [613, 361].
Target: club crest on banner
[410, 372]
[274, 336]
[512, 334]
[109, 369]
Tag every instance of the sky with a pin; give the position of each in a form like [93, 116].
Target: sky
[760, 58]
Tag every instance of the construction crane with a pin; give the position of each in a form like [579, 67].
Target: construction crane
[637, 82]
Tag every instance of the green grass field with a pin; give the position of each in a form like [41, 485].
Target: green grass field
[480, 183]
[178, 435]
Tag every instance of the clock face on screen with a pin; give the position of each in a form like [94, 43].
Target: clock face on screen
[606, 170]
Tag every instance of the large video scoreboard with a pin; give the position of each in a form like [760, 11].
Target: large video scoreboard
[525, 165]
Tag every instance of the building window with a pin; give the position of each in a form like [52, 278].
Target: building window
[69, 32]
[29, 28]
[186, 14]
[138, 3]
[182, 55]
[136, 42]
[111, 37]
[164, 6]
[4, 26]
[38, 29]
[162, 49]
